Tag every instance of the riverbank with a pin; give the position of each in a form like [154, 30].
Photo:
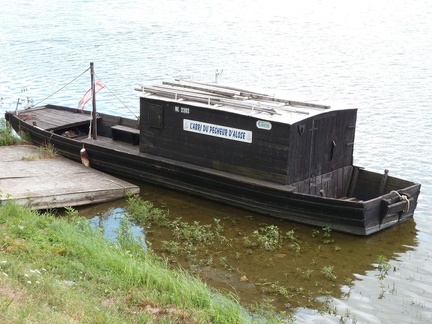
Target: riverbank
[63, 270]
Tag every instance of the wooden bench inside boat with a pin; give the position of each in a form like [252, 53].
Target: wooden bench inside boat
[125, 133]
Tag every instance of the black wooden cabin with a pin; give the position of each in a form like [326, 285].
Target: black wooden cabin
[245, 133]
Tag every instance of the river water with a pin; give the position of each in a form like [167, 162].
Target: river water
[373, 55]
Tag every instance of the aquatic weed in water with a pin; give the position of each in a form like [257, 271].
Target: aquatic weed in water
[327, 271]
[145, 213]
[269, 237]
[383, 266]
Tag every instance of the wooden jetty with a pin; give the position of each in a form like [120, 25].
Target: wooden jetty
[54, 183]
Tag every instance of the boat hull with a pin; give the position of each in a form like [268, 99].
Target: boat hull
[359, 217]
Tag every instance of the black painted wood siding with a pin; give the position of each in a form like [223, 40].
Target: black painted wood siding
[321, 144]
[280, 155]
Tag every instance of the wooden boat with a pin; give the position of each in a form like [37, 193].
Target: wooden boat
[278, 157]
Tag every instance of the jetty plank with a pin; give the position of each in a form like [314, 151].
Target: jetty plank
[54, 183]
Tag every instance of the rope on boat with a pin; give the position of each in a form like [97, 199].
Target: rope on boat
[60, 88]
[74, 81]
[118, 98]
[402, 197]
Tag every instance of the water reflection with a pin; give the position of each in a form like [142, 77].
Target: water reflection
[109, 221]
[308, 264]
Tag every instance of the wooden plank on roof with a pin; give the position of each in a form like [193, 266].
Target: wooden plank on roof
[235, 97]
[177, 94]
[206, 88]
[301, 104]
[242, 92]
[185, 91]
[267, 98]
[252, 106]
[262, 96]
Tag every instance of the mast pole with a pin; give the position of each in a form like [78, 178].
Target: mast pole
[94, 122]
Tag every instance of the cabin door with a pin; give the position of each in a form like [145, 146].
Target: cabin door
[321, 150]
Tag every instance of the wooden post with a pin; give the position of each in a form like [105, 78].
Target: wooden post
[312, 154]
[94, 113]
[383, 182]
[353, 182]
[16, 108]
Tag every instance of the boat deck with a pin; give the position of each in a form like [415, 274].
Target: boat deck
[54, 119]
[109, 143]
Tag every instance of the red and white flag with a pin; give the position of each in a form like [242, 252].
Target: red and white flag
[88, 95]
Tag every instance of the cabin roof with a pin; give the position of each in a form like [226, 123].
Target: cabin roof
[233, 100]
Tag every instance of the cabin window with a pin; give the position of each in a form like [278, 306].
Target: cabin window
[155, 115]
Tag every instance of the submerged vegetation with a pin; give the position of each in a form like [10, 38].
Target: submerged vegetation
[201, 246]
[282, 268]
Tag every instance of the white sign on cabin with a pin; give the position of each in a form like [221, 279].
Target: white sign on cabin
[261, 124]
[230, 133]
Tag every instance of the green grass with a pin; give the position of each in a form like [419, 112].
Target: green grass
[47, 152]
[63, 270]
[6, 135]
